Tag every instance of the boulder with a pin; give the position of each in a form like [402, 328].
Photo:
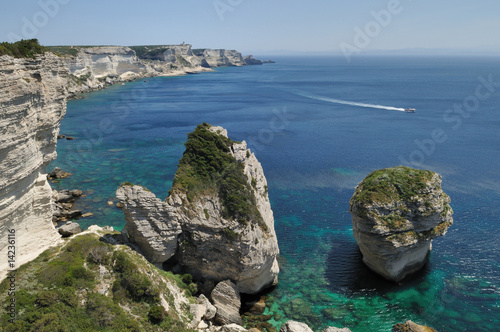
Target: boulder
[58, 173]
[233, 328]
[64, 196]
[336, 329]
[76, 193]
[396, 212]
[226, 299]
[410, 326]
[72, 214]
[210, 309]
[293, 326]
[69, 229]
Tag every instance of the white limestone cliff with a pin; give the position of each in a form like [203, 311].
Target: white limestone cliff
[32, 103]
[95, 67]
[222, 58]
[210, 246]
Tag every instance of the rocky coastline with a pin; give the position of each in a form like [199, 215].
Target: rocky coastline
[95, 67]
[223, 249]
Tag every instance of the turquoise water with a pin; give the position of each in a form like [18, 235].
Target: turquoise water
[314, 151]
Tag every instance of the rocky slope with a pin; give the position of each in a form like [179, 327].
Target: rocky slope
[90, 282]
[396, 212]
[32, 103]
[216, 222]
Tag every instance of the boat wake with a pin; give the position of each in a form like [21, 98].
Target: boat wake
[352, 103]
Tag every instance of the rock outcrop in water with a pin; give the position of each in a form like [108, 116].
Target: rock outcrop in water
[32, 103]
[216, 222]
[396, 212]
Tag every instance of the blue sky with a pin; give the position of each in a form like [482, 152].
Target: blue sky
[258, 26]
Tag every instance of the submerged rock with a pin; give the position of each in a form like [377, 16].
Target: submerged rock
[396, 212]
[217, 219]
[336, 329]
[410, 326]
[293, 326]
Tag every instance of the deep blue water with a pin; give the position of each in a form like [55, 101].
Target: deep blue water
[314, 152]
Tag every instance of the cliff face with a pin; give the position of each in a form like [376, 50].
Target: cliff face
[227, 226]
[396, 212]
[222, 58]
[32, 103]
[95, 67]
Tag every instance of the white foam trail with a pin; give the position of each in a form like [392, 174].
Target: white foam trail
[352, 103]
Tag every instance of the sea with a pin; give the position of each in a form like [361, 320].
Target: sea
[319, 125]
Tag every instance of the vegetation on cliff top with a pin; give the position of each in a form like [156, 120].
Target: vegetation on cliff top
[387, 185]
[22, 49]
[149, 52]
[208, 166]
[62, 290]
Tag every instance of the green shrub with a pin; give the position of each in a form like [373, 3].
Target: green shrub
[156, 314]
[187, 278]
[207, 165]
[49, 323]
[22, 49]
[47, 298]
[231, 234]
[130, 281]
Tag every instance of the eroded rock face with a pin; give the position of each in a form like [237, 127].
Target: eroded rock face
[396, 212]
[151, 224]
[32, 103]
[212, 245]
[226, 299]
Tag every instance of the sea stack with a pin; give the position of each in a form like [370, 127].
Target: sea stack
[396, 212]
[217, 222]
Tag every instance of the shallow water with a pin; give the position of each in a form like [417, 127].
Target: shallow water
[314, 152]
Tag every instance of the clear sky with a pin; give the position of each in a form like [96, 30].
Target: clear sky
[258, 26]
